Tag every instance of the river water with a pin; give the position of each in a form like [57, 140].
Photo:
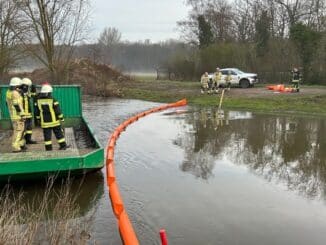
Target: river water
[237, 178]
[207, 178]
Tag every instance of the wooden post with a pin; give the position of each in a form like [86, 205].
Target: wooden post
[221, 100]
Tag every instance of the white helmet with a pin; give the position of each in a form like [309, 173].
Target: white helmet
[46, 89]
[15, 82]
[27, 81]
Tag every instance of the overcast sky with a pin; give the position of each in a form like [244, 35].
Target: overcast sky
[139, 19]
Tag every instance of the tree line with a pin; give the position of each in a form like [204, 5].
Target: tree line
[265, 36]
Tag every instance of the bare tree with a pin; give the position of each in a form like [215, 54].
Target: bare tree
[295, 9]
[108, 40]
[10, 27]
[236, 19]
[317, 16]
[220, 15]
[109, 36]
[217, 13]
[244, 28]
[56, 26]
[189, 29]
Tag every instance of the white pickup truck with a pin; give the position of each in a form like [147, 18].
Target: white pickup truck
[238, 77]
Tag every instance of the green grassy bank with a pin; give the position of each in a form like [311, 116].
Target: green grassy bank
[311, 99]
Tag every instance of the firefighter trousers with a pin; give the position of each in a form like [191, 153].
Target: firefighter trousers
[58, 132]
[28, 129]
[18, 135]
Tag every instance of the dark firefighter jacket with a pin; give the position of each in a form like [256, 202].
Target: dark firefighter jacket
[296, 76]
[48, 111]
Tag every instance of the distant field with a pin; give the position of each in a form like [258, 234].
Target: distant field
[142, 75]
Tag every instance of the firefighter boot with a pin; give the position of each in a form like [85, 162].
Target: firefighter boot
[28, 138]
[63, 146]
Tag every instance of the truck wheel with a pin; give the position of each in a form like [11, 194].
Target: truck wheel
[244, 83]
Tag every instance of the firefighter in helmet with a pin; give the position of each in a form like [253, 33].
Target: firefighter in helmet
[217, 79]
[228, 79]
[204, 83]
[14, 101]
[28, 93]
[49, 116]
[296, 79]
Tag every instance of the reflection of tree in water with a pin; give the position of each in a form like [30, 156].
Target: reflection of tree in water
[200, 164]
[208, 140]
[284, 149]
[286, 154]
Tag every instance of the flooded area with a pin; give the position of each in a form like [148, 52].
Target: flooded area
[250, 179]
[207, 178]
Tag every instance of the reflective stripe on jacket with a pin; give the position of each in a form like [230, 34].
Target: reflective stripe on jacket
[48, 111]
[15, 104]
[27, 105]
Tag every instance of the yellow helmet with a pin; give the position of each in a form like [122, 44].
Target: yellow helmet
[15, 82]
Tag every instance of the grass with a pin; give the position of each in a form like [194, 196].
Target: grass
[51, 218]
[310, 104]
[147, 88]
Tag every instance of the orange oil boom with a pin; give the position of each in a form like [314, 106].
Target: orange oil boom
[127, 232]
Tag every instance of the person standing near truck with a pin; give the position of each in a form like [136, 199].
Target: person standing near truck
[14, 101]
[204, 83]
[228, 79]
[217, 79]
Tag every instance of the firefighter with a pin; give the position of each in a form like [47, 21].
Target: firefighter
[204, 83]
[217, 79]
[49, 117]
[14, 101]
[228, 79]
[28, 93]
[210, 85]
[296, 79]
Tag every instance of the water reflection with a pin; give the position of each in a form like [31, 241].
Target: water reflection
[286, 149]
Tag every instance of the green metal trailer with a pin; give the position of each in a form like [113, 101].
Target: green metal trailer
[84, 155]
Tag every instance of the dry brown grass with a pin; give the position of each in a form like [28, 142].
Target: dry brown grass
[49, 219]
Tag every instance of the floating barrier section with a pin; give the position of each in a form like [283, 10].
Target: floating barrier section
[281, 88]
[127, 232]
